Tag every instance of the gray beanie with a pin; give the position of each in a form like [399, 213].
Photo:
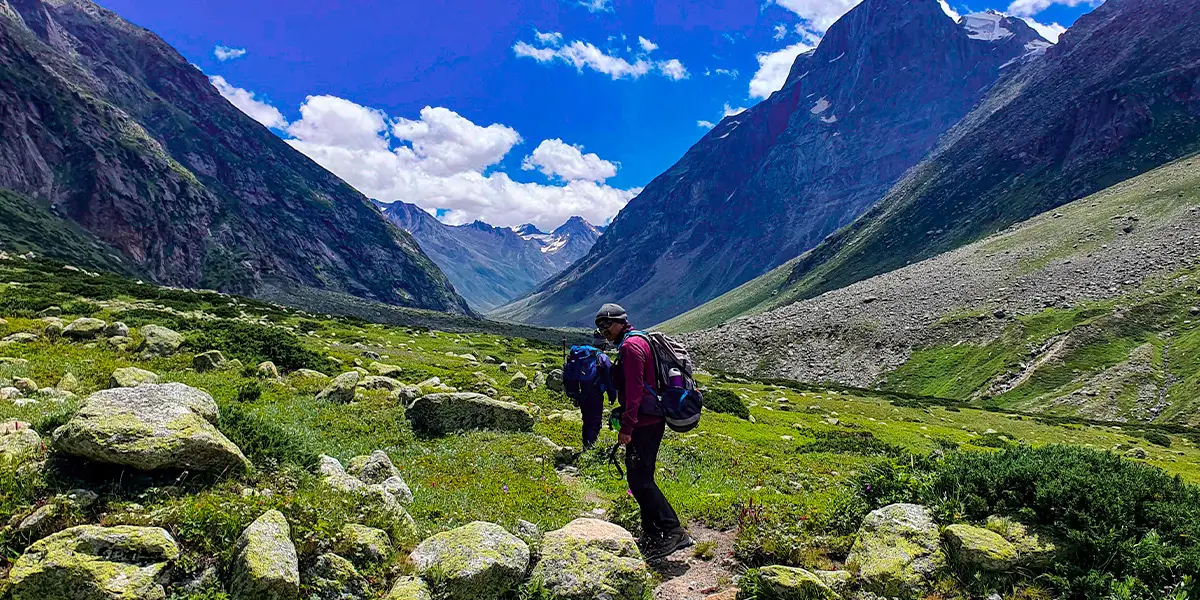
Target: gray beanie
[612, 312]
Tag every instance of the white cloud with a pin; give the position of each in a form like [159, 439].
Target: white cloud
[781, 31]
[246, 102]
[733, 110]
[596, 5]
[728, 72]
[773, 69]
[581, 55]
[819, 13]
[706, 124]
[224, 53]
[1029, 8]
[646, 44]
[1049, 31]
[444, 161]
[555, 158]
[950, 12]
[548, 39]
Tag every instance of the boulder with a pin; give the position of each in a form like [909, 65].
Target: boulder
[23, 337]
[266, 370]
[590, 558]
[212, 360]
[978, 548]
[265, 566]
[90, 562]
[9, 393]
[1138, 453]
[116, 329]
[9, 363]
[51, 311]
[539, 379]
[897, 551]
[85, 328]
[48, 518]
[387, 498]
[519, 381]
[53, 330]
[479, 561]
[19, 442]
[335, 578]
[439, 414]
[159, 341]
[792, 583]
[409, 588]
[364, 545]
[150, 427]
[334, 475]
[68, 383]
[341, 389]
[377, 469]
[379, 382]
[26, 385]
[385, 370]
[554, 382]
[131, 377]
[1033, 550]
[405, 394]
[309, 374]
[838, 581]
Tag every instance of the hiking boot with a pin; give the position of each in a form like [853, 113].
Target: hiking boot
[668, 544]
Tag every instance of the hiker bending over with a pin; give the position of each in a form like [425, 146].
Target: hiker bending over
[641, 433]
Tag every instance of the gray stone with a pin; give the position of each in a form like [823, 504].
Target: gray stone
[265, 566]
[590, 558]
[364, 545]
[131, 377]
[68, 383]
[19, 443]
[554, 381]
[897, 552]
[405, 394]
[21, 338]
[479, 561]
[85, 328]
[267, 370]
[9, 393]
[116, 329]
[791, 582]
[385, 370]
[90, 562]
[341, 389]
[519, 381]
[409, 588]
[439, 414]
[159, 341]
[212, 360]
[379, 382]
[26, 385]
[150, 427]
[335, 578]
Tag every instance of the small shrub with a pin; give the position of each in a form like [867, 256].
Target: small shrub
[256, 343]
[260, 437]
[250, 392]
[726, 401]
[1158, 439]
[850, 442]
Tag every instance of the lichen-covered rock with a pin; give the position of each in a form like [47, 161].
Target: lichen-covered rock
[405, 394]
[838, 581]
[379, 382]
[68, 383]
[9, 393]
[9, 364]
[267, 370]
[439, 414]
[539, 379]
[265, 566]
[364, 545]
[897, 551]
[590, 558]
[131, 377]
[1033, 550]
[379, 497]
[335, 578]
[554, 382]
[334, 475]
[409, 588]
[23, 337]
[309, 374]
[375, 468]
[341, 389]
[790, 583]
[479, 561]
[150, 427]
[85, 328]
[519, 381]
[978, 548]
[212, 360]
[95, 563]
[19, 443]
[25, 384]
[53, 330]
[385, 370]
[159, 341]
[116, 329]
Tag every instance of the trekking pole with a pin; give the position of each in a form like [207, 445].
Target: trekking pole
[564, 348]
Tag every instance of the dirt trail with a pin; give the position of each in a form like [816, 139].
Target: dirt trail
[688, 577]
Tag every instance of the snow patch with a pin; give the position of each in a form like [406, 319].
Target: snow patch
[821, 106]
[986, 26]
[829, 119]
[839, 57]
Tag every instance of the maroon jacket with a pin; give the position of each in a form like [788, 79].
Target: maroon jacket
[637, 370]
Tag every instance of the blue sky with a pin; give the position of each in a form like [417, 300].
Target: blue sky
[515, 111]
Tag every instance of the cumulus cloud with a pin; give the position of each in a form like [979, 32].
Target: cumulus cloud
[449, 165]
[584, 55]
[548, 39]
[596, 5]
[224, 53]
[950, 12]
[246, 102]
[733, 110]
[773, 69]
[727, 72]
[1049, 31]
[706, 124]
[821, 13]
[1029, 8]
[556, 158]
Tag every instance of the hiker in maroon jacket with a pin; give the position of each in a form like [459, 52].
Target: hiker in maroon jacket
[641, 433]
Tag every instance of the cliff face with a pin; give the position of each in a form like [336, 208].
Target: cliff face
[115, 132]
[767, 184]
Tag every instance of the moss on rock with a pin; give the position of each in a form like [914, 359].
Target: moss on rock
[439, 414]
[479, 561]
[90, 562]
[978, 548]
[265, 566]
[897, 552]
[589, 559]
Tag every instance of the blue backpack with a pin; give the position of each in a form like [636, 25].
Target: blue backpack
[587, 369]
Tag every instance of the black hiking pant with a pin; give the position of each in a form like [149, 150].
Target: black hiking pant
[641, 458]
[592, 407]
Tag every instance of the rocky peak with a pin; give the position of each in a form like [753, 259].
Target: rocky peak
[577, 226]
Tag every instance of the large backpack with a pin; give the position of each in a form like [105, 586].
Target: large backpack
[587, 368]
[682, 404]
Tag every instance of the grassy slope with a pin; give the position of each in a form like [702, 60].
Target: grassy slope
[29, 226]
[762, 476]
